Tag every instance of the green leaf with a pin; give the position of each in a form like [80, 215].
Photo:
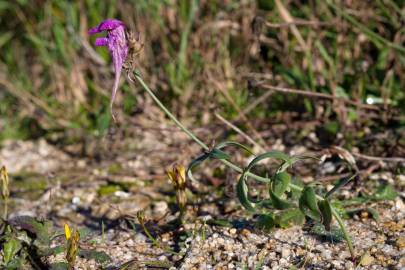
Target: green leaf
[197, 161]
[41, 229]
[287, 218]
[219, 222]
[308, 204]
[5, 37]
[374, 214]
[272, 154]
[384, 192]
[98, 256]
[59, 266]
[326, 211]
[10, 249]
[232, 143]
[339, 185]
[280, 183]
[265, 222]
[279, 203]
[339, 208]
[52, 251]
[335, 234]
[243, 196]
[296, 194]
[218, 154]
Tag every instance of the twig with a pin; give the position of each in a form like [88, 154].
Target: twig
[255, 103]
[285, 14]
[318, 95]
[242, 115]
[298, 23]
[386, 159]
[238, 130]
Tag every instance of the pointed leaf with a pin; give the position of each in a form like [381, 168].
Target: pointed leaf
[197, 161]
[98, 256]
[59, 266]
[218, 154]
[340, 184]
[287, 218]
[308, 204]
[384, 192]
[326, 211]
[243, 196]
[279, 203]
[280, 183]
[232, 143]
[272, 154]
[10, 249]
[334, 235]
[265, 222]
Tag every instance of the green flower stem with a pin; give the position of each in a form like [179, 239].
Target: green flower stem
[345, 233]
[171, 116]
[233, 166]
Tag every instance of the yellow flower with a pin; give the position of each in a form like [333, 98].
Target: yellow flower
[67, 232]
[4, 183]
[178, 176]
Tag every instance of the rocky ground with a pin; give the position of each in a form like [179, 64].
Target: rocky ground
[110, 187]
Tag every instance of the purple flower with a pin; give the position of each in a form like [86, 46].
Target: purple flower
[117, 45]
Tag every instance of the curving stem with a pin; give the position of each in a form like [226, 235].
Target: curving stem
[233, 166]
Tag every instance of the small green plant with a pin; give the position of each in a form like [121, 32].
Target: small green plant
[287, 203]
[284, 210]
[72, 246]
[26, 242]
[142, 221]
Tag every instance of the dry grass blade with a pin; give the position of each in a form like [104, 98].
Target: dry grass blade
[239, 131]
[285, 14]
[317, 95]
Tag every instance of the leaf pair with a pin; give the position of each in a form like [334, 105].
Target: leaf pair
[215, 153]
[242, 190]
[283, 219]
[319, 211]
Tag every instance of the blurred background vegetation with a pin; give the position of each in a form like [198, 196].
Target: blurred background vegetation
[200, 57]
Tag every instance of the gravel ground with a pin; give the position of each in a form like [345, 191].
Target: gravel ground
[67, 190]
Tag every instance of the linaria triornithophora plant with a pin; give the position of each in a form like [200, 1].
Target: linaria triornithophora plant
[287, 203]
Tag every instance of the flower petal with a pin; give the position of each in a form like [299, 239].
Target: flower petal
[101, 41]
[107, 25]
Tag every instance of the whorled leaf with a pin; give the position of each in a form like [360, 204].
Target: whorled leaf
[10, 249]
[308, 204]
[232, 143]
[280, 183]
[340, 184]
[384, 192]
[326, 212]
[59, 266]
[41, 229]
[99, 256]
[215, 153]
[265, 222]
[289, 217]
[279, 203]
[272, 154]
[243, 194]
[335, 234]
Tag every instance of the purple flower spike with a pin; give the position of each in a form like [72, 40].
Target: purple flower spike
[117, 45]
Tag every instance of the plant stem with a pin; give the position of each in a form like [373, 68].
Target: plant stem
[171, 116]
[233, 166]
[5, 208]
[345, 233]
